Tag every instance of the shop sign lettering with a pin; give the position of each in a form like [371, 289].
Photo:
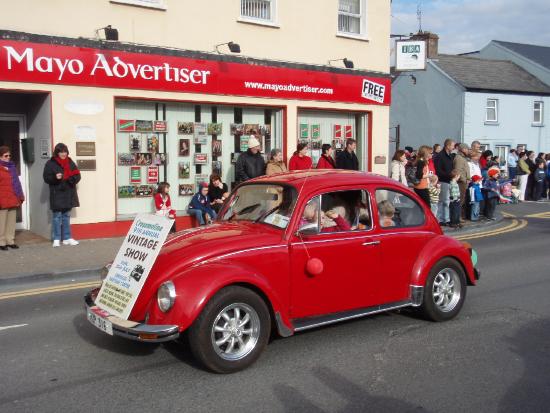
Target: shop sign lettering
[373, 91]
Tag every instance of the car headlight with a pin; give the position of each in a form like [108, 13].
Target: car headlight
[166, 295]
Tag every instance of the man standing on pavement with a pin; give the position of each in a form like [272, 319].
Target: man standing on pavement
[347, 158]
[512, 164]
[250, 164]
[460, 163]
[443, 163]
[475, 147]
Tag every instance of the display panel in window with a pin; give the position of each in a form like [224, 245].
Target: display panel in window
[258, 10]
[537, 112]
[351, 17]
[491, 111]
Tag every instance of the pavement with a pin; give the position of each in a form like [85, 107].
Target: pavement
[37, 260]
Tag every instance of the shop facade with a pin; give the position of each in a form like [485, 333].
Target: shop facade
[136, 115]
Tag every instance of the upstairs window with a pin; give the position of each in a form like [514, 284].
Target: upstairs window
[152, 4]
[258, 10]
[537, 113]
[491, 110]
[351, 17]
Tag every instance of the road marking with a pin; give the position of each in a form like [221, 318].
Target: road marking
[515, 225]
[545, 215]
[14, 326]
[48, 290]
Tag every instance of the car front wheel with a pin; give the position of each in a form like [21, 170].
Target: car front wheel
[232, 330]
[445, 291]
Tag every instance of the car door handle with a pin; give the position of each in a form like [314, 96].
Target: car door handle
[366, 244]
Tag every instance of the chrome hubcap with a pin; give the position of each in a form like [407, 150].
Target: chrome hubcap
[235, 331]
[447, 289]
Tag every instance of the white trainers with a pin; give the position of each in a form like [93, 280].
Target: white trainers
[55, 243]
[70, 241]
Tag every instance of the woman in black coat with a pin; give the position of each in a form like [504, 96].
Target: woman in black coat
[62, 175]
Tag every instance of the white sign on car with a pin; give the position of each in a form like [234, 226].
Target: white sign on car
[132, 264]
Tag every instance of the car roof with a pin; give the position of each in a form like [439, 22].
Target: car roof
[325, 178]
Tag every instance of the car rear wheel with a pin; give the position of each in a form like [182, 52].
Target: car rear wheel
[445, 291]
[232, 330]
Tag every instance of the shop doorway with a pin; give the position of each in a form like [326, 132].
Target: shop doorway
[12, 131]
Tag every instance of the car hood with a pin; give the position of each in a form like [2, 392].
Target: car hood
[193, 246]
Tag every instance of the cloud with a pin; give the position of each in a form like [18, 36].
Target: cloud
[468, 25]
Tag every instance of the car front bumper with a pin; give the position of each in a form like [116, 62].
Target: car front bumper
[134, 330]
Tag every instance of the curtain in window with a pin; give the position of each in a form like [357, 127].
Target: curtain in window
[349, 16]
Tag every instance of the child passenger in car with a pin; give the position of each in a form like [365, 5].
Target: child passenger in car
[386, 212]
[330, 220]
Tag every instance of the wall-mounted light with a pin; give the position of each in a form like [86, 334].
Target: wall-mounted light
[233, 47]
[348, 63]
[110, 33]
[413, 78]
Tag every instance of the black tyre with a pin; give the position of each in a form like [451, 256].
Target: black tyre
[232, 330]
[445, 291]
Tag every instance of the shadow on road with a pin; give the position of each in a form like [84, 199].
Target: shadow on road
[119, 345]
[530, 393]
[357, 399]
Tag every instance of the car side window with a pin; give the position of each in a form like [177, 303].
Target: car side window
[337, 212]
[396, 209]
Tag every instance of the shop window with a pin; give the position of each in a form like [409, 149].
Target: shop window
[187, 145]
[491, 110]
[396, 209]
[537, 113]
[502, 152]
[258, 10]
[153, 4]
[352, 17]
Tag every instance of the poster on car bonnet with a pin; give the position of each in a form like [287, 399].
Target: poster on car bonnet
[132, 264]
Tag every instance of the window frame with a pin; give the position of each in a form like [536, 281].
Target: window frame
[540, 111]
[418, 204]
[273, 22]
[320, 203]
[362, 15]
[487, 107]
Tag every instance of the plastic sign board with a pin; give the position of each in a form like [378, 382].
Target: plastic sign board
[410, 55]
[132, 265]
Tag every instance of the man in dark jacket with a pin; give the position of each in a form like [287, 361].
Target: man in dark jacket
[443, 164]
[251, 163]
[62, 175]
[347, 158]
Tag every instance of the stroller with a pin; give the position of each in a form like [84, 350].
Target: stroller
[507, 195]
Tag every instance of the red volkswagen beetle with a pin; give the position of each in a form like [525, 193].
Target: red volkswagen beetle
[292, 252]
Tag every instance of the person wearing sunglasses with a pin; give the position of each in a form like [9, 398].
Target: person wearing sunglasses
[11, 197]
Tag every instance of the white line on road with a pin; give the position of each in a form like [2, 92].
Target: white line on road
[14, 326]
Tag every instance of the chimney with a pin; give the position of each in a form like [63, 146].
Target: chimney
[431, 40]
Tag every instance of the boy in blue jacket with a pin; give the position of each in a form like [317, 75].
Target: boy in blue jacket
[200, 208]
[476, 196]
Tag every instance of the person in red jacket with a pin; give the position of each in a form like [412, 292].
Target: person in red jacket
[163, 204]
[326, 161]
[11, 197]
[299, 159]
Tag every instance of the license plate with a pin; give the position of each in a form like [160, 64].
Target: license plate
[100, 322]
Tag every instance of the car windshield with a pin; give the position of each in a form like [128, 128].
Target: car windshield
[267, 203]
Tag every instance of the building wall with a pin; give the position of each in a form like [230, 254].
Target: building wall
[514, 126]
[428, 111]
[495, 51]
[97, 190]
[306, 30]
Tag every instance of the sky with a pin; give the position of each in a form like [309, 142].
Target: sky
[468, 25]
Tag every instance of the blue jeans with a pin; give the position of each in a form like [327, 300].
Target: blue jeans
[474, 211]
[512, 171]
[61, 220]
[197, 213]
[443, 214]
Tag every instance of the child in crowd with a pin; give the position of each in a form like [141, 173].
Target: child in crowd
[386, 212]
[200, 208]
[539, 176]
[434, 189]
[163, 204]
[492, 193]
[454, 195]
[476, 196]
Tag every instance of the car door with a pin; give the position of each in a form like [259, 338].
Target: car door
[402, 238]
[349, 259]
